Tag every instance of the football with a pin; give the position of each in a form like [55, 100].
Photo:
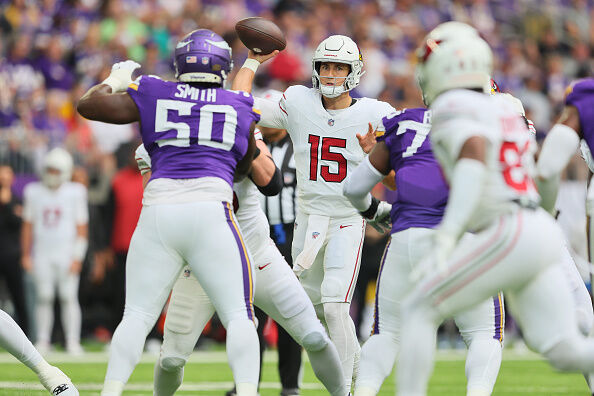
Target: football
[260, 35]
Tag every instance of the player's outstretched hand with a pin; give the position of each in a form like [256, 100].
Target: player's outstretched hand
[262, 58]
[368, 141]
[121, 75]
[381, 220]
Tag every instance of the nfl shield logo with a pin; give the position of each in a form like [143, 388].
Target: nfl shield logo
[331, 122]
[191, 59]
[314, 235]
[205, 60]
[187, 273]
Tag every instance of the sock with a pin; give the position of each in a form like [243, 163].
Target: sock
[365, 391]
[246, 389]
[326, 365]
[342, 333]
[16, 342]
[417, 350]
[112, 388]
[378, 356]
[169, 379]
[482, 365]
[243, 352]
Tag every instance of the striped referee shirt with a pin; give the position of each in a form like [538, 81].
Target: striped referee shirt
[280, 209]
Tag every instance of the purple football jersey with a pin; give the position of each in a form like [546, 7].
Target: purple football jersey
[581, 95]
[192, 132]
[422, 192]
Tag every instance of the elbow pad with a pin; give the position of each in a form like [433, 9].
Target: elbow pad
[274, 186]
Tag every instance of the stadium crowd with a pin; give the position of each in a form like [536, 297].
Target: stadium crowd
[52, 51]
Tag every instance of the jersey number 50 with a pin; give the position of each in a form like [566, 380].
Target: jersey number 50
[326, 155]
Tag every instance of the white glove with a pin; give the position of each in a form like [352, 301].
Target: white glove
[436, 262]
[121, 75]
[381, 220]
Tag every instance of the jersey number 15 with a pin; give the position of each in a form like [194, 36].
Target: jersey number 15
[326, 155]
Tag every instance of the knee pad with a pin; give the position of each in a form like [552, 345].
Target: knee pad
[172, 363]
[315, 341]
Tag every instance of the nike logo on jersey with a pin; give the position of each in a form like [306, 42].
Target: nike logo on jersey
[261, 267]
[183, 44]
[345, 226]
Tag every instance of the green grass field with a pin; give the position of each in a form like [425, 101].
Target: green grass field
[208, 374]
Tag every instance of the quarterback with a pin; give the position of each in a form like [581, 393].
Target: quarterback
[323, 123]
[200, 138]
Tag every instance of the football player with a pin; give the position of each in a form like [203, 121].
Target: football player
[54, 244]
[199, 137]
[575, 123]
[323, 123]
[486, 153]
[278, 292]
[14, 340]
[419, 207]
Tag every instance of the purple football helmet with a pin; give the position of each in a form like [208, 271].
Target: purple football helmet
[202, 56]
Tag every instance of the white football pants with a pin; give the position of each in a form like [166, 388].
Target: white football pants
[206, 236]
[520, 254]
[481, 327]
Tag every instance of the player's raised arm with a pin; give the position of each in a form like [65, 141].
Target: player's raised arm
[108, 101]
[265, 174]
[245, 76]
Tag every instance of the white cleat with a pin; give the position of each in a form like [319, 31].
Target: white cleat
[57, 383]
[75, 350]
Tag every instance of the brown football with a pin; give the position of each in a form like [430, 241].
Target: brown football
[260, 35]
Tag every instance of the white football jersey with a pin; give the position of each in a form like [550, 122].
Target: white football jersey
[55, 215]
[325, 144]
[461, 114]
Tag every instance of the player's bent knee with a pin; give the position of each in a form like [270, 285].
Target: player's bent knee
[172, 363]
[315, 341]
[565, 355]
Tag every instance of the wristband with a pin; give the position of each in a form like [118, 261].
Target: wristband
[251, 64]
[80, 248]
[372, 210]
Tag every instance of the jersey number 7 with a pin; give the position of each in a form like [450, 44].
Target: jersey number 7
[326, 155]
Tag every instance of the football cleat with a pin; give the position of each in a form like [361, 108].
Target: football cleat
[57, 383]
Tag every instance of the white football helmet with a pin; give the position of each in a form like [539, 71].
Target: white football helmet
[57, 168]
[339, 49]
[453, 55]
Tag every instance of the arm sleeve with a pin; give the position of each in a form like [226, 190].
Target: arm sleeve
[82, 208]
[27, 205]
[358, 185]
[273, 115]
[468, 179]
[560, 144]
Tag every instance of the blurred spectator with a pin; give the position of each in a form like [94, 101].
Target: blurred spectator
[54, 245]
[10, 248]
